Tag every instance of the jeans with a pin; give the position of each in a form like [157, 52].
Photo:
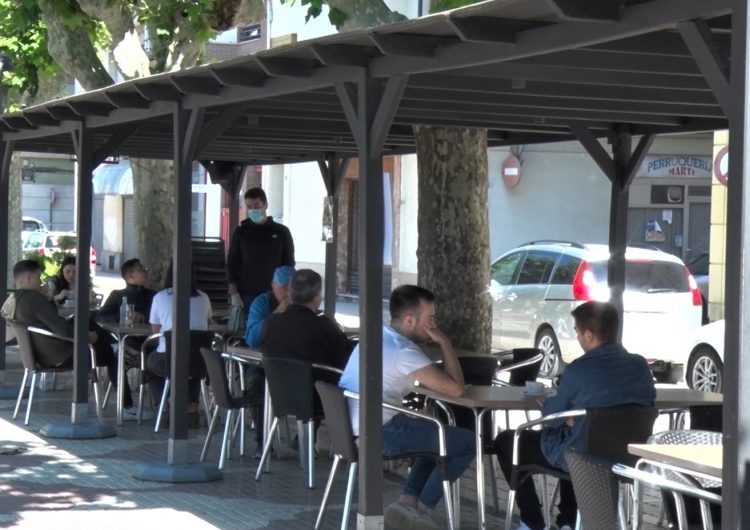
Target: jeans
[403, 435]
[530, 452]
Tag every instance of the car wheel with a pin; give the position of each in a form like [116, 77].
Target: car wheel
[547, 342]
[705, 370]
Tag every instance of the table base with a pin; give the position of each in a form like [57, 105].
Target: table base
[163, 472]
[78, 431]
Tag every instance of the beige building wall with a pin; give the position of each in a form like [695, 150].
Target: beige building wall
[717, 252]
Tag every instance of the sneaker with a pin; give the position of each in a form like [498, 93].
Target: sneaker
[403, 517]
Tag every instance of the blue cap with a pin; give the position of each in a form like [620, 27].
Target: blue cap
[283, 274]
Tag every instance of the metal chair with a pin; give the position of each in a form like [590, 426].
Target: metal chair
[344, 448]
[198, 339]
[683, 436]
[29, 351]
[678, 489]
[147, 347]
[223, 400]
[609, 430]
[290, 384]
[597, 491]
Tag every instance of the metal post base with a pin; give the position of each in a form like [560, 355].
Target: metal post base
[78, 431]
[370, 522]
[178, 473]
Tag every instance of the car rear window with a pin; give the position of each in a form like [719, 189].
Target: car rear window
[566, 270]
[30, 225]
[648, 276]
[537, 268]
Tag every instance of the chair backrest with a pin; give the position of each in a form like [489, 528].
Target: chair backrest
[519, 376]
[290, 382]
[610, 429]
[478, 369]
[198, 339]
[596, 490]
[217, 374]
[687, 436]
[337, 417]
[25, 346]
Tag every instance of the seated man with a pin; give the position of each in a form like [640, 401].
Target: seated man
[605, 376]
[34, 308]
[274, 301]
[300, 332]
[412, 311]
[136, 278]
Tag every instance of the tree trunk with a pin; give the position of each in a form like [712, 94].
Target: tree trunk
[453, 256]
[153, 198]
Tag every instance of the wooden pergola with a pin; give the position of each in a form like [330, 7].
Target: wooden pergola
[528, 71]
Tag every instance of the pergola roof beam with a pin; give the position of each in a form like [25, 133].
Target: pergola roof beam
[636, 20]
[341, 54]
[698, 38]
[404, 44]
[285, 66]
[237, 77]
[196, 85]
[159, 92]
[127, 100]
[90, 108]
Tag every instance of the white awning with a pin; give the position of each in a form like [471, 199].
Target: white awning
[113, 179]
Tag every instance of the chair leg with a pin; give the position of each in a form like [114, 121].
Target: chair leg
[106, 395]
[242, 432]
[447, 498]
[20, 393]
[164, 395]
[547, 505]
[139, 413]
[225, 442]
[493, 484]
[348, 498]
[509, 509]
[327, 492]
[210, 433]
[204, 399]
[267, 447]
[311, 454]
[97, 401]
[31, 398]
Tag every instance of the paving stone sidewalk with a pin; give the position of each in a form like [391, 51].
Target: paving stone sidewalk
[81, 484]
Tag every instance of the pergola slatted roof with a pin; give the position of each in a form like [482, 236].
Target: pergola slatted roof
[527, 70]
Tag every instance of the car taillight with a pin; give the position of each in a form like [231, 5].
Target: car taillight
[40, 252]
[92, 257]
[583, 281]
[697, 297]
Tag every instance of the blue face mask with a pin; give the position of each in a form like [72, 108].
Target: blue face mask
[256, 215]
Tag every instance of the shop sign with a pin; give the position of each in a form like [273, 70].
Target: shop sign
[676, 166]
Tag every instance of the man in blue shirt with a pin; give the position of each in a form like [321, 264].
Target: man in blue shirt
[274, 301]
[605, 376]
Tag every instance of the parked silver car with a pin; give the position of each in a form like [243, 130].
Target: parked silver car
[705, 364]
[535, 287]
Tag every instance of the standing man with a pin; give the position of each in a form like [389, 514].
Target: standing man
[605, 376]
[256, 248]
[413, 321]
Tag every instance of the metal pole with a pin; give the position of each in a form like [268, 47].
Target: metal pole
[736, 418]
[7, 153]
[85, 195]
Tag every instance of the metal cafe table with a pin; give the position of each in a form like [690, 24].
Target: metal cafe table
[482, 399]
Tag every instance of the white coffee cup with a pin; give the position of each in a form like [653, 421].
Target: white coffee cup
[534, 388]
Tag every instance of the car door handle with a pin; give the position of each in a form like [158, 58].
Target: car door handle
[511, 296]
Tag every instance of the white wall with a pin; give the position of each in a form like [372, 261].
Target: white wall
[409, 205]
[303, 208]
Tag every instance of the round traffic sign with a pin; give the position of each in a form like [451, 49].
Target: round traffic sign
[721, 165]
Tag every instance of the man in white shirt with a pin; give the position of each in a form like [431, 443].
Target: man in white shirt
[412, 311]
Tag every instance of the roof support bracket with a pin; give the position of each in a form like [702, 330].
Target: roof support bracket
[595, 150]
[705, 51]
[116, 140]
[601, 10]
[332, 169]
[217, 126]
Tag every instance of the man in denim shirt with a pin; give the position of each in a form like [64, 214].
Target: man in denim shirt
[605, 376]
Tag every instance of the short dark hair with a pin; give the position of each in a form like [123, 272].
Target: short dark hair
[600, 318]
[256, 193]
[406, 298]
[169, 279]
[129, 266]
[304, 286]
[26, 266]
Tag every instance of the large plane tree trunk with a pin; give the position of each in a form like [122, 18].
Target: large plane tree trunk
[453, 249]
[153, 198]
